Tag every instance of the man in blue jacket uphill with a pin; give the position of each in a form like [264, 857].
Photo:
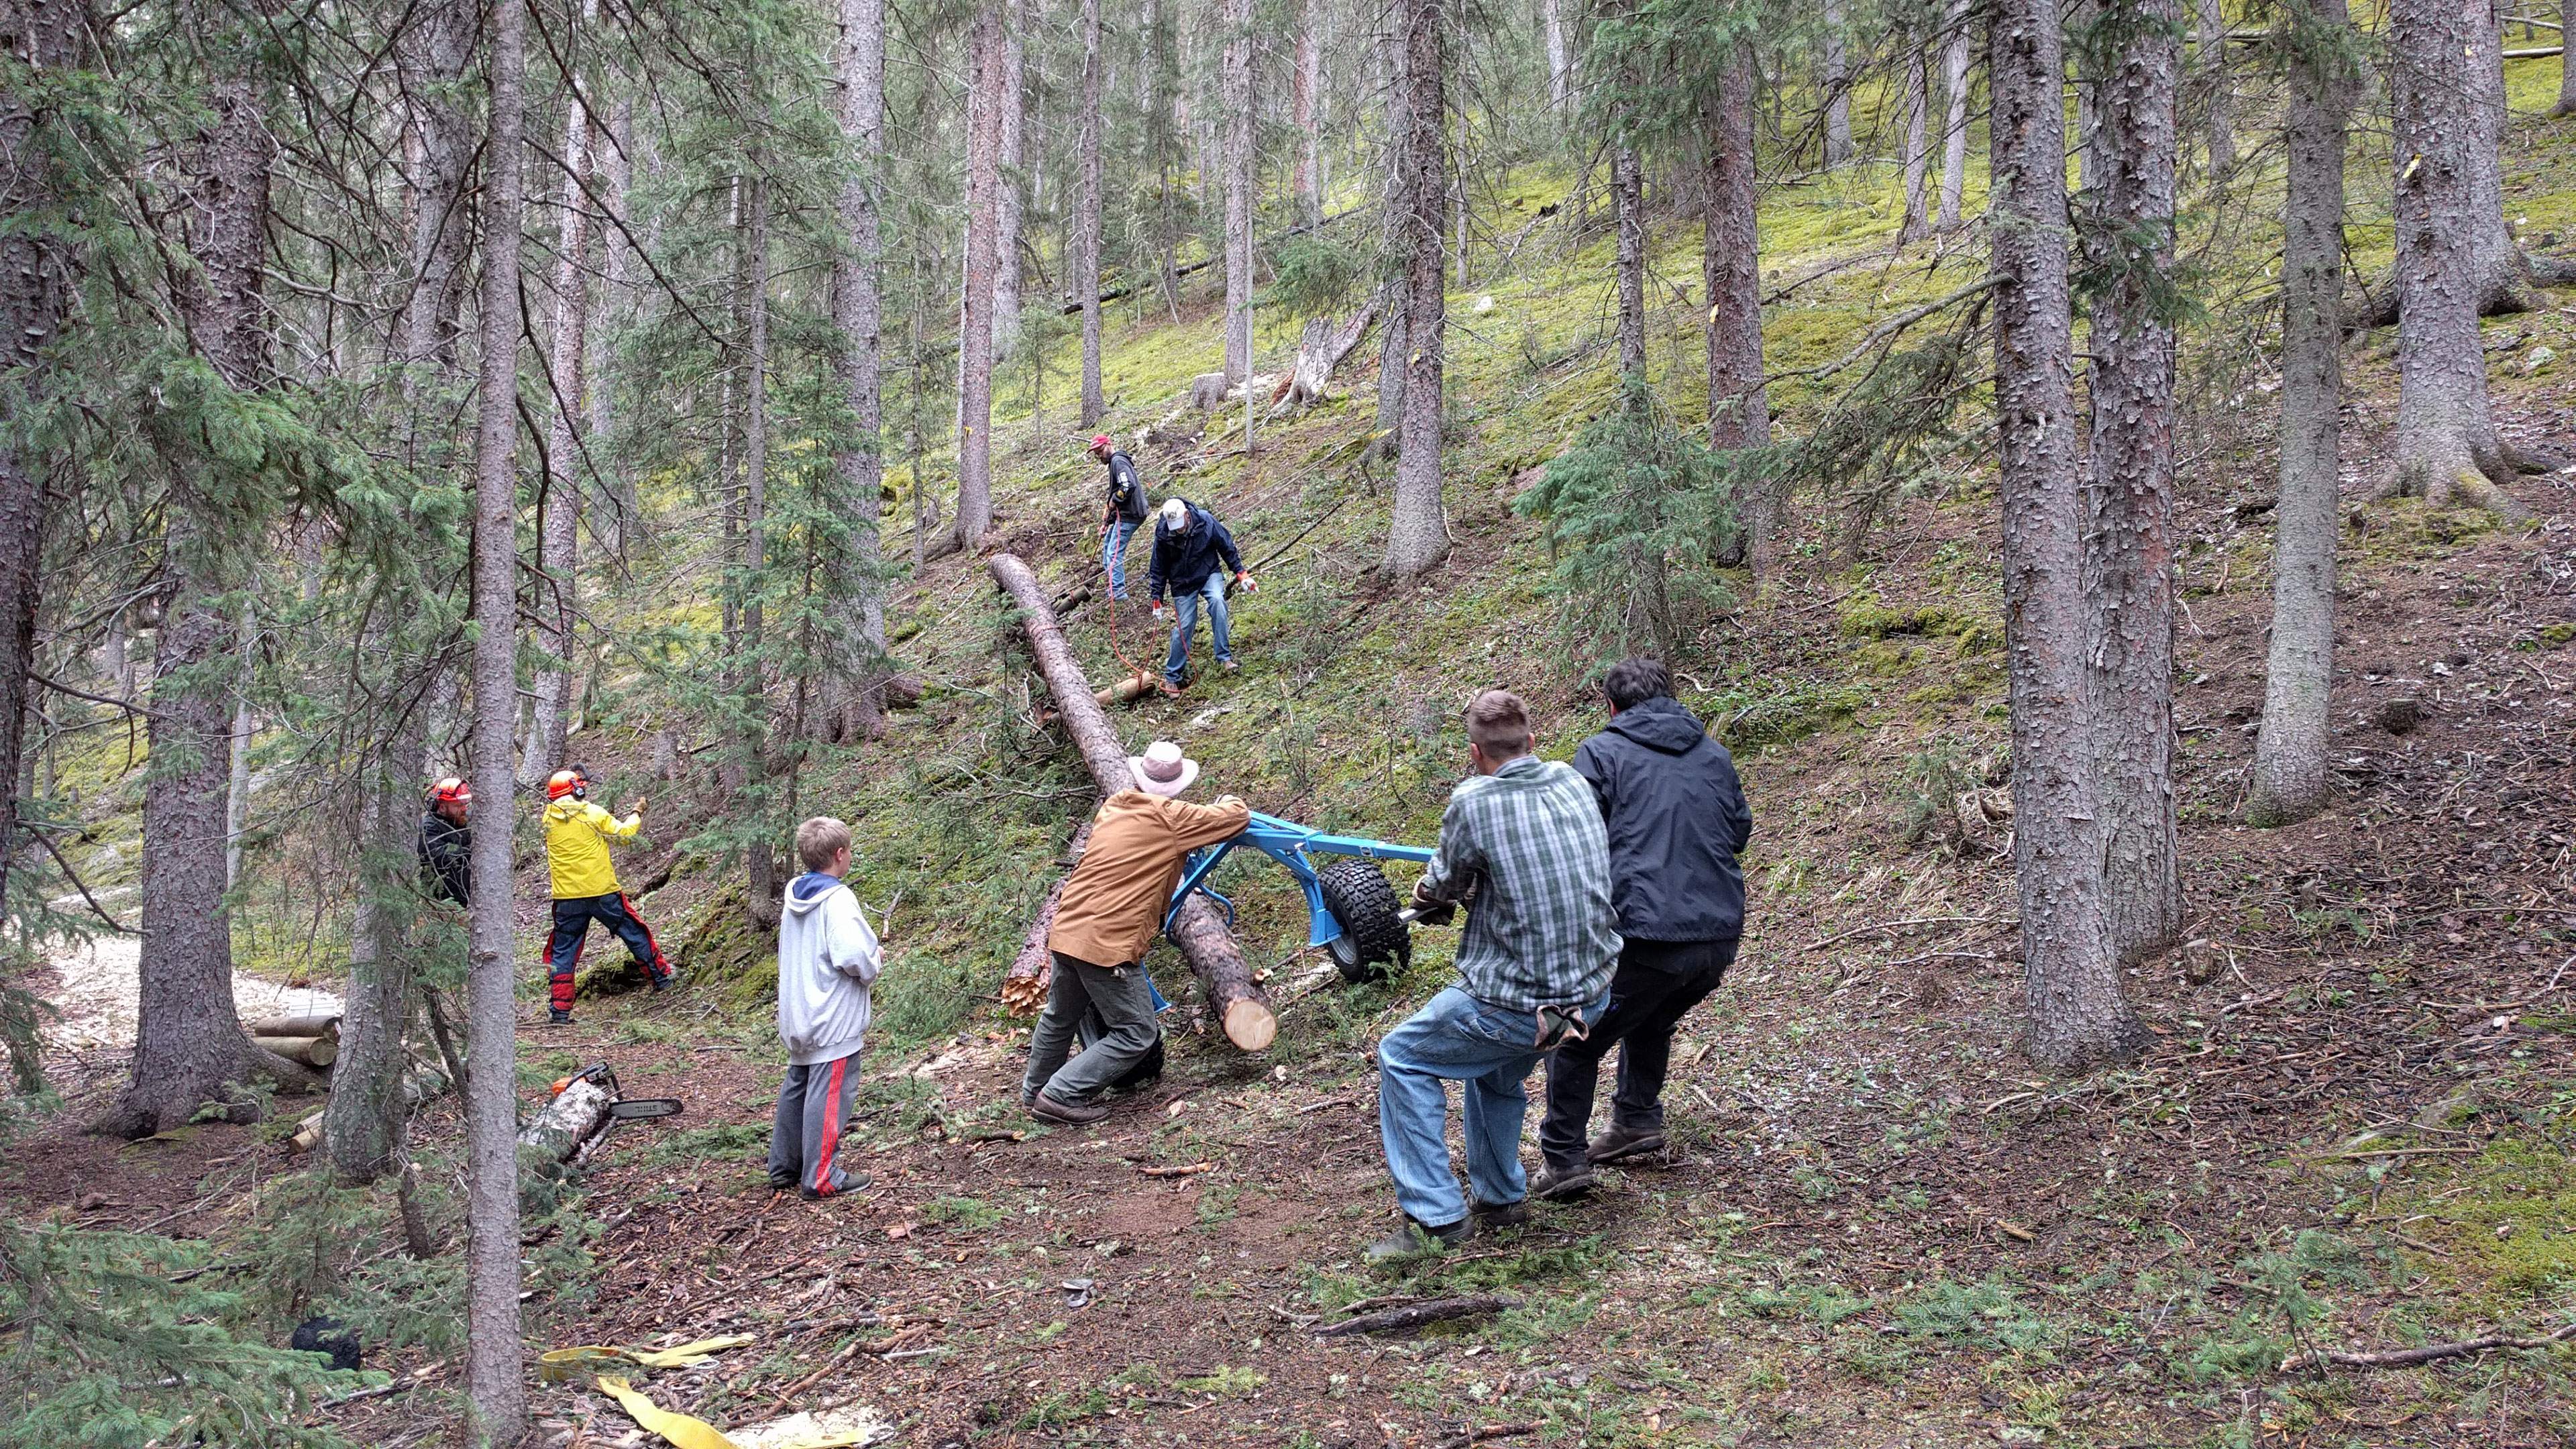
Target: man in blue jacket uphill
[1188, 545]
[1676, 817]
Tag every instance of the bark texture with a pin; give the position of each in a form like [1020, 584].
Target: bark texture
[1954, 125]
[761, 886]
[1235, 81]
[2078, 1017]
[559, 533]
[2128, 501]
[496, 1390]
[1198, 928]
[1306, 172]
[1628, 197]
[1417, 533]
[1010, 120]
[2290, 753]
[854, 703]
[1918, 159]
[190, 1049]
[1086, 216]
[36, 277]
[2222, 91]
[975, 334]
[2445, 440]
[1730, 266]
[2503, 276]
[1560, 55]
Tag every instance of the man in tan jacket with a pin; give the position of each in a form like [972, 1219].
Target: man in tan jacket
[1111, 910]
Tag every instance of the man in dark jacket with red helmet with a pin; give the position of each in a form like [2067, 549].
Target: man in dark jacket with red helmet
[445, 842]
[1676, 817]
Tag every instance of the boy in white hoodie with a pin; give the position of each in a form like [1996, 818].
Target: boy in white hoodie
[827, 957]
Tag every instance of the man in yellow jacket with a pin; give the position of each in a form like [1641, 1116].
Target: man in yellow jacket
[585, 887]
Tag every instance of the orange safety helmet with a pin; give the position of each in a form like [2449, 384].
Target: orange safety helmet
[451, 789]
[565, 782]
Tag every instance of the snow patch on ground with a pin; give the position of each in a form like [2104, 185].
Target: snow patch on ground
[98, 984]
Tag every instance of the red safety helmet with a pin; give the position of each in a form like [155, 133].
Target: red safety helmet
[564, 782]
[451, 789]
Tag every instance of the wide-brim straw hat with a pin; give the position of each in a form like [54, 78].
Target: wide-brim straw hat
[1163, 769]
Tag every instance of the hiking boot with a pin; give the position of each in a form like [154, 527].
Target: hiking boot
[1563, 1184]
[1229, 666]
[1492, 1215]
[850, 1183]
[1171, 690]
[1622, 1144]
[1048, 1109]
[557, 1016]
[1413, 1240]
[666, 981]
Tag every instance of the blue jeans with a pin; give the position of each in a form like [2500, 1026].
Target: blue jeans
[1490, 1049]
[1113, 554]
[1186, 608]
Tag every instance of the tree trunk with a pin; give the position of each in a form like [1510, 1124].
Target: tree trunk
[1954, 126]
[2078, 1017]
[1010, 116]
[617, 260]
[1418, 533]
[2445, 439]
[1236, 80]
[760, 866]
[1560, 55]
[1918, 216]
[1086, 217]
[1838, 135]
[1730, 266]
[362, 1124]
[190, 1049]
[496, 1390]
[2290, 752]
[35, 293]
[2566, 71]
[1198, 928]
[1628, 196]
[2128, 513]
[2222, 91]
[559, 536]
[1306, 172]
[975, 336]
[2503, 277]
[856, 707]
[1159, 138]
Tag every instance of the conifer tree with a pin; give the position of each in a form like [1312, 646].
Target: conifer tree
[1418, 532]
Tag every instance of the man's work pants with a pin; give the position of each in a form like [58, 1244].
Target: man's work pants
[1185, 610]
[1490, 1049]
[1124, 998]
[805, 1136]
[572, 928]
[1658, 982]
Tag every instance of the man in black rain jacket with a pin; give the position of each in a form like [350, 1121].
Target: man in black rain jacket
[1676, 817]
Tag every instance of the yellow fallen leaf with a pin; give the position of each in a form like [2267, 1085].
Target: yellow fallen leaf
[689, 1353]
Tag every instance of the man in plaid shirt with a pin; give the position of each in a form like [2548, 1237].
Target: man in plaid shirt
[1523, 846]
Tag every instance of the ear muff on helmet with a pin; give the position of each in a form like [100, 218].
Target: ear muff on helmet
[452, 790]
[566, 782]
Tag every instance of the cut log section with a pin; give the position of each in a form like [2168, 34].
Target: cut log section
[294, 1026]
[1025, 989]
[569, 1122]
[312, 1051]
[1197, 928]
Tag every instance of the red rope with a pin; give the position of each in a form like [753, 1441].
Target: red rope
[1135, 670]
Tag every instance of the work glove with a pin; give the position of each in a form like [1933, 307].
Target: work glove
[1158, 610]
[637, 808]
[1245, 583]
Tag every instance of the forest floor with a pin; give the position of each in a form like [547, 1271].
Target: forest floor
[1878, 1226]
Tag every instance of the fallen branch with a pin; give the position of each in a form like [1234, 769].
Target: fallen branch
[1193, 1170]
[1482, 1433]
[2429, 1353]
[1888, 928]
[1417, 1314]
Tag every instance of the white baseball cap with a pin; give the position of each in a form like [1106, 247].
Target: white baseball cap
[1176, 512]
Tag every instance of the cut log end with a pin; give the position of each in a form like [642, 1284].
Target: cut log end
[1251, 1025]
[311, 1051]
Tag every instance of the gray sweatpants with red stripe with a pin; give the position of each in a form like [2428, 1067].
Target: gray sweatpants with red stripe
[805, 1137]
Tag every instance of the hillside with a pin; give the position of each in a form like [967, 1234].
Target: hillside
[1879, 1225]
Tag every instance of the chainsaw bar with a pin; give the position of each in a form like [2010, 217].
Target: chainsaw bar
[636, 1109]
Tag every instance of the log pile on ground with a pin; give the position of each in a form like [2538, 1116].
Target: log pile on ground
[1198, 928]
[313, 1041]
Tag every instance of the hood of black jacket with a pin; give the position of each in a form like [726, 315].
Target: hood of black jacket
[1659, 724]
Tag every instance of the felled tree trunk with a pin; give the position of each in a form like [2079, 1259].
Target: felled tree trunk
[1197, 928]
